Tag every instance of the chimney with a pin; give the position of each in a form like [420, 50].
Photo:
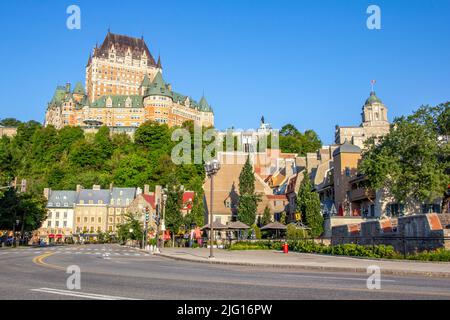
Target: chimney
[111, 186]
[96, 187]
[146, 189]
[47, 193]
[79, 188]
[138, 191]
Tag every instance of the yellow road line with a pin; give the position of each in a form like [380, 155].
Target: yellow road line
[39, 260]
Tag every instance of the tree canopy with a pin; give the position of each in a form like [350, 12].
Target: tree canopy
[248, 200]
[293, 141]
[413, 160]
[308, 203]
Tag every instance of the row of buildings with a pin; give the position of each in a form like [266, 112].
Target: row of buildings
[84, 213]
[124, 88]
[343, 191]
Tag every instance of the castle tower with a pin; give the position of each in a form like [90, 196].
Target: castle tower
[119, 66]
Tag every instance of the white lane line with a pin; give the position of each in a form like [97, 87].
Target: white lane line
[81, 294]
[341, 278]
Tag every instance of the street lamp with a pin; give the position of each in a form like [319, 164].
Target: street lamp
[164, 198]
[211, 168]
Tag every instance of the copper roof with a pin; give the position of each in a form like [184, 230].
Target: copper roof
[121, 44]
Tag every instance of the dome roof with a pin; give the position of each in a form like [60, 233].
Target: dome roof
[372, 98]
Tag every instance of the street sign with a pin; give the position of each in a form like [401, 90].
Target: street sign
[163, 226]
[297, 216]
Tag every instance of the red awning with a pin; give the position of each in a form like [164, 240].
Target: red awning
[59, 236]
[51, 235]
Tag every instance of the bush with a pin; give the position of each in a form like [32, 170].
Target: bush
[305, 246]
[436, 255]
[294, 233]
[256, 245]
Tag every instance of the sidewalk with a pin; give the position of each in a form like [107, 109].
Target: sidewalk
[303, 261]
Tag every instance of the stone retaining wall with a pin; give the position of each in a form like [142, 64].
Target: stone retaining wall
[427, 228]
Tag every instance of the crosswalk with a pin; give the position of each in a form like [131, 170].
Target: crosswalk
[105, 252]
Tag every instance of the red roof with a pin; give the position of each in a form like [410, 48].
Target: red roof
[150, 199]
[277, 197]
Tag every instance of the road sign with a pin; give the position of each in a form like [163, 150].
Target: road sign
[297, 216]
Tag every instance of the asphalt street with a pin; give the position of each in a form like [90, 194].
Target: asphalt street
[110, 272]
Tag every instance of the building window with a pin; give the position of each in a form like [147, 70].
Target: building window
[65, 224]
[49, 224]
[99, 220]
[78, 219]
[85, 219]
[65, 215]
[57, 215]
[49, 215]
[57, 224]
[347, 171]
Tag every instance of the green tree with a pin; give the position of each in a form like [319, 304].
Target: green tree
[27, 208]
[153, 136]
[293, 141]
[10, 122]
[174, 218]
[130, 229]
[412, 161]
[267, 216]
[308, 203]
[248, 200]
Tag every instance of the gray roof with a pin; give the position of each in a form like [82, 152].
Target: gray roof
[121, 195]
[95, 195]
[347, 147]
[61, 199]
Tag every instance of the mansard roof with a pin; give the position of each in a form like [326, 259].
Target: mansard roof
[118, 101]
[79, 89]
[121, 44]
[347, 147]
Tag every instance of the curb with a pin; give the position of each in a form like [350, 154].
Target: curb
[316, 268]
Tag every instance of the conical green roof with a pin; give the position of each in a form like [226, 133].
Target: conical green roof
[158, 87]
[203, 104]
[79, 89]
[146, 82]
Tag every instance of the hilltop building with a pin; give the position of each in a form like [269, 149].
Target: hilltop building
[374, 123]
[124, 88]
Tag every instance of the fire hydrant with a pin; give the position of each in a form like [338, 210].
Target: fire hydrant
[285, 248]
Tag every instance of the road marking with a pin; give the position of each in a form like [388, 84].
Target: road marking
[81, 294]
[39, 260]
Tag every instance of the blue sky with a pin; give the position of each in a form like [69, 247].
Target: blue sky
[303, 62]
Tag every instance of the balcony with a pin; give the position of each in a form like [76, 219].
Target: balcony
[361, 194]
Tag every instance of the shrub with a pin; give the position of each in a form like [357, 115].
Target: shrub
[437, 255]
[294, 233]
[306, 246]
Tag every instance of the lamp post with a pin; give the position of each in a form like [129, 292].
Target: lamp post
[211, 168]
[164, 198]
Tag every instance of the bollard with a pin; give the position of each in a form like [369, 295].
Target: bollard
[285, 248]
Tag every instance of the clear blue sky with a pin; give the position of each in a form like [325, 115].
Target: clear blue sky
[305, 62]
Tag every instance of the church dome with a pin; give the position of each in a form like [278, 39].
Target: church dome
[372, 99]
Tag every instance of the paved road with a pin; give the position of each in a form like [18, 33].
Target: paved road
[114, 272]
